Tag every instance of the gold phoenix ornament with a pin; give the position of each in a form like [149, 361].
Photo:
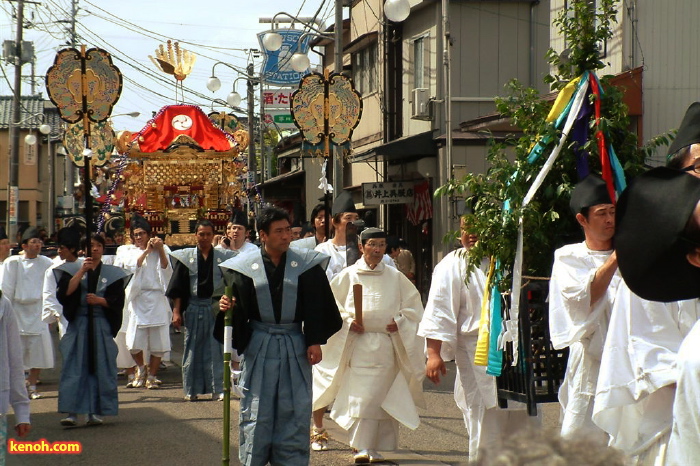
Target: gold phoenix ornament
[174, 60]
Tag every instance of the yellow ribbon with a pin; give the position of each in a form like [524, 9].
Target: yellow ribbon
[481, 356]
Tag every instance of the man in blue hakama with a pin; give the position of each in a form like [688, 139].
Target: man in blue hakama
[93, 310]
[196, 283]
[284, 311]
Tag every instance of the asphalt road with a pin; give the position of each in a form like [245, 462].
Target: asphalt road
[156, 427]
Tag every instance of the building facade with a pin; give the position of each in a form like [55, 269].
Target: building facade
[42, 171]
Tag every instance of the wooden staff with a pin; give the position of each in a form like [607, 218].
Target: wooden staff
[357, 295]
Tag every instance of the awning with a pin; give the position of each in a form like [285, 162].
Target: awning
[416, 146]
[281, 178]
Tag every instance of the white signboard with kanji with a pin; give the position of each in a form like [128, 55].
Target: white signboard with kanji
[394, 192]
[277, 98]
[30, 154]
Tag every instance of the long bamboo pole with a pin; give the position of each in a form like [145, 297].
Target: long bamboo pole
[228, 349]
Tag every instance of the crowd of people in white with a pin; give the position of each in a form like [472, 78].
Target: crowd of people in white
[632, 379]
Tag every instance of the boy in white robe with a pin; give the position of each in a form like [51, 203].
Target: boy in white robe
[378, 382]
[22, 284]
[581, 295]
[450, 326]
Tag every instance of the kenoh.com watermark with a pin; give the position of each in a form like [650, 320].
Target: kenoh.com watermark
[43, 447]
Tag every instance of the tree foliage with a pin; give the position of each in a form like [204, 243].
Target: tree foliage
[548, 222]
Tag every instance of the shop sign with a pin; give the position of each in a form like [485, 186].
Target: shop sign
[394, 192]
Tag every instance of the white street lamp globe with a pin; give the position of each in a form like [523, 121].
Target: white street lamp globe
[213, 84]
[300, 62]
[44, 129]
[30, 139]
[272, 41]
[397, 10]
[234, 99]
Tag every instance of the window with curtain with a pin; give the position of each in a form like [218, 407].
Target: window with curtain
[364, 68]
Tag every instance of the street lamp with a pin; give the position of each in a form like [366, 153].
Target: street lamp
[44, 128]
[130, 114]
[272, 41]
[234, 100]
[300, 62]
[397, 10]
[214, 83]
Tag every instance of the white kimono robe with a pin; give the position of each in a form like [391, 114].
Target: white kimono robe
[684, 444]
[636, 384]
[452, 316]
[13, 393]
[126, 259]
[378, 379]
[51, 309]
[575, 323]
[145, 296]
[22, 283]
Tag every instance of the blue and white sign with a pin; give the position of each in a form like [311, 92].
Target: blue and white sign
[277, 68]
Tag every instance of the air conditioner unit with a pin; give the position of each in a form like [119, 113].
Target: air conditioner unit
[420, 106]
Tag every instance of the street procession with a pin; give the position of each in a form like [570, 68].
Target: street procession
[332, 232]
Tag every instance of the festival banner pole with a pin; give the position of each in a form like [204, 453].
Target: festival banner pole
[84, 85]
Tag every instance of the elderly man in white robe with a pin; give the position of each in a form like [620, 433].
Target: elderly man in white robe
[22, 281]
[450, 326]
[663, 264]
[378, 383]
[582, 292]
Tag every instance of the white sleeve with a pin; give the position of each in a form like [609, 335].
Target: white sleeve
[165, 274]
[9, 278]
[570, 313]
[51, 309]
[440, 318]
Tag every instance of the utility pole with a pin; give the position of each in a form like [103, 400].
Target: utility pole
[73, 15]
[13, 185]
[264, 165]
[69, 169]
[252, 165]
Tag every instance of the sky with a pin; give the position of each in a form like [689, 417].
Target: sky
[133, 29]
